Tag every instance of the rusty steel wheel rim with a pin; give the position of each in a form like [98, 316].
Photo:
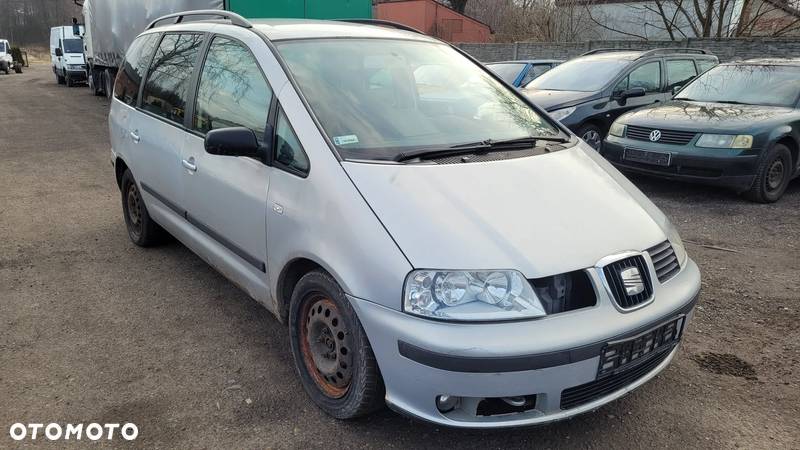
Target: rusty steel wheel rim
[326, 346]
[134, 209]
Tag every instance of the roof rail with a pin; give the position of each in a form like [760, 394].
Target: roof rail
[382, 23]
[669, 50]
[235, 19]
[648, 52]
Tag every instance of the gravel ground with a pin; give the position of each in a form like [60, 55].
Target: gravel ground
[93, 329]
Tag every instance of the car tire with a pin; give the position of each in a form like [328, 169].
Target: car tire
[69, 81]
[59, 79]
[331, 351]
[108, 84]
[142, 229]
[592, 135]
[772, 176]
[18, 68]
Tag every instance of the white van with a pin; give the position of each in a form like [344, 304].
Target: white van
[66, 54]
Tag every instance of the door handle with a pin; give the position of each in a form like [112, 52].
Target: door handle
[189, 164]
[135, 137]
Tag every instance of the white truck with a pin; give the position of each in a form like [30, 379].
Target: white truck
[7, 63]
[66, 54]
[111, 26]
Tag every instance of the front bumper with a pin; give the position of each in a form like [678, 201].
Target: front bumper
[733, 169]
[534, 358]
[77, 75]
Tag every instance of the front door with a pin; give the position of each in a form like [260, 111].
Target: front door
[647, 76]
[226, 196]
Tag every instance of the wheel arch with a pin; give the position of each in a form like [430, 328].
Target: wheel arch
[794, 149]
[291, 273]
[119, 169]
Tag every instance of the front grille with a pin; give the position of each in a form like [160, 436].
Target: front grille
[586, 393]
[613, 274]
[667, 136]
[665, 261]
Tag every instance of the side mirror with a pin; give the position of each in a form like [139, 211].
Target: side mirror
[633, 92]
[675, 89]
[237, 141]
[59, 52]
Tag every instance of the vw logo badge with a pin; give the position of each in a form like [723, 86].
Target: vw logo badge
[655, 135]
[632, 281]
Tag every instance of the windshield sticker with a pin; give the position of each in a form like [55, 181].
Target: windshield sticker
[344, 140]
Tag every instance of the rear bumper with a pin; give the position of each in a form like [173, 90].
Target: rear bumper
[735, 172]
[541, 359]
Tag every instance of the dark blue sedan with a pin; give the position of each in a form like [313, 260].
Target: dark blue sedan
[520, 73]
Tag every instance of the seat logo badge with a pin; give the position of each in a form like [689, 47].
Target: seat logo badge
[632, 281]
[655, 135]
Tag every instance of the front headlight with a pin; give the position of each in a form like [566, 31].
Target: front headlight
[470, 295]
[617, 129]
[725, 141]
[677, 244]
[561, 114]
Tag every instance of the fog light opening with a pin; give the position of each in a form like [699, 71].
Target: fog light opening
[447, 403]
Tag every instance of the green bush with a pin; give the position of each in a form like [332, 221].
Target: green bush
[16, 55]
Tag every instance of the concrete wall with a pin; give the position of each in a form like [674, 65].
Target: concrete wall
[725, 49]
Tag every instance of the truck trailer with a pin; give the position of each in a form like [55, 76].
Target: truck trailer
[111, 25]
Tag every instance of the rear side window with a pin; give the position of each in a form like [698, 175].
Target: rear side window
[705, 64]
[232, 90]
[167, 86]
[289, 154]
[647, 76]
[130, 76]
[534, 73]
[679, 72]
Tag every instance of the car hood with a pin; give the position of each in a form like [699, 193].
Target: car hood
[705, 116]
[552, 100]
[542, 215]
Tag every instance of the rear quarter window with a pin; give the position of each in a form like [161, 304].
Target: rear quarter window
[126, 88]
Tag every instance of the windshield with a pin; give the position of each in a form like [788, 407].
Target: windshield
[377, 98]
[507, 71]
[749, 84]
[2, 47]
[73, 46]
[581, 74]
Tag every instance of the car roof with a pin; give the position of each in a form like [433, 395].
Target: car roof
[528, 61]
[288, 29]
[768, 62]
[283, 29]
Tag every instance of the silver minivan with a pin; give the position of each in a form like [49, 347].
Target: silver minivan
[433, 240]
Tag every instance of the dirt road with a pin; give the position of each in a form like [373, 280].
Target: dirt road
[93, 329]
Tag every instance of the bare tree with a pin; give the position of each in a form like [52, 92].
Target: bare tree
[26, 22]
[681, 19]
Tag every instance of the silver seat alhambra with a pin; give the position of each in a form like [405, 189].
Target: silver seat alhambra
[433, 240]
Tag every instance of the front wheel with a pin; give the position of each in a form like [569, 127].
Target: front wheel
[772, 175]
[18, 68]
[331, 351]
[592, 135]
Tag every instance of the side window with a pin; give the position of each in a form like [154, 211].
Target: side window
[167, 86]
[288, 151]
[534, 73]
[705, 64]
[679, 72]
[126, 89]
[647, 76]
[232, 90]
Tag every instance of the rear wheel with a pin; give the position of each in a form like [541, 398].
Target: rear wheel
[331, 351]
[592, 135]
[772, 175]
[18, 68]
[142, 230]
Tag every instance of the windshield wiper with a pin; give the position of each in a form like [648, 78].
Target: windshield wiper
[480, 146]
[731, 102]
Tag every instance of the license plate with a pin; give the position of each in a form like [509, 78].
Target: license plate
[619, 356]
[645, 157]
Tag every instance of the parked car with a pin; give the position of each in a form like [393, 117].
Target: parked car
[737, 125]
[7, 62]
[520, 73]
[66, 54]
[589, 92]
[415, 249]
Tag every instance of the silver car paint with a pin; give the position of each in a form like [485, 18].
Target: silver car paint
[369, 225]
